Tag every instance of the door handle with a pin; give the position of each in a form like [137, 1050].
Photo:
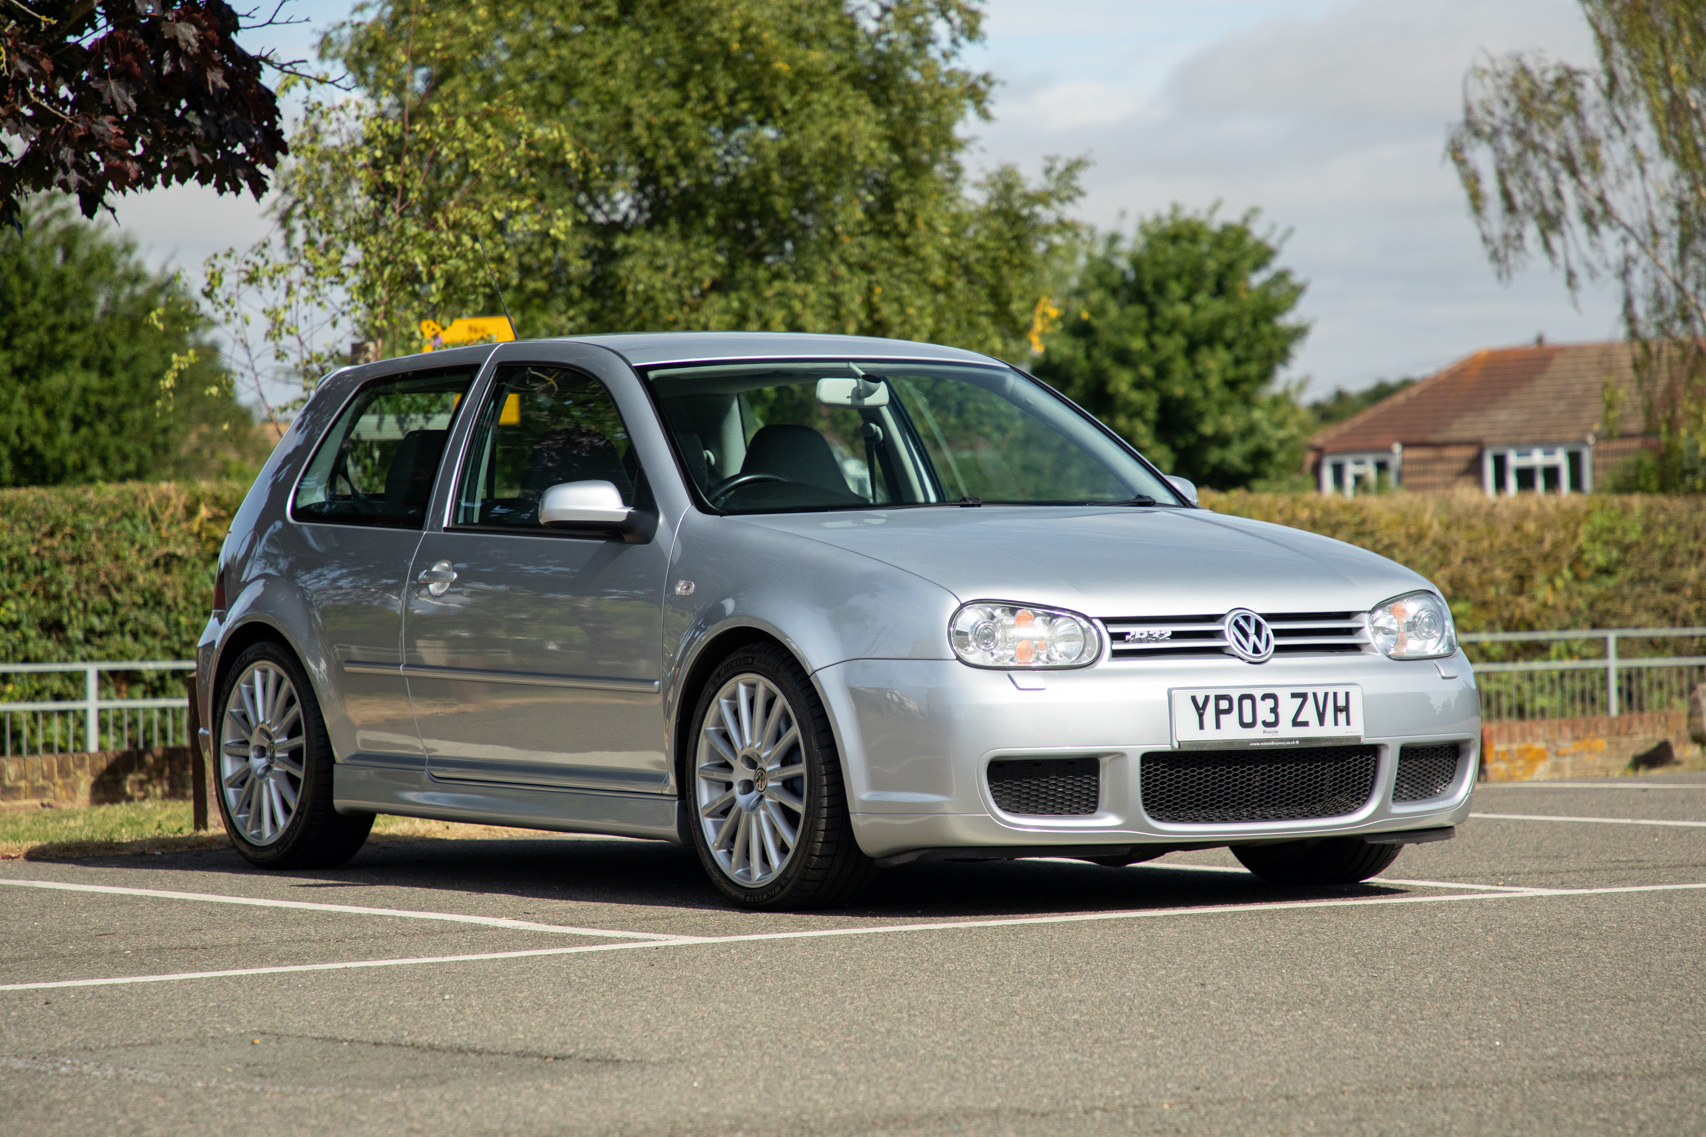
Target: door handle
[438, 578]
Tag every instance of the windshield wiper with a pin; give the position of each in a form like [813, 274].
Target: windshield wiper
[1140, 499]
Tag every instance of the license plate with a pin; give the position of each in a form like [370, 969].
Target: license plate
[1205, 717]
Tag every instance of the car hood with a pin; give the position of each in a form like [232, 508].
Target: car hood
[1109, 562]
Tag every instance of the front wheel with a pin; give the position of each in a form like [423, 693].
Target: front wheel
[767, 811]
[1323, 860]
[275, 767]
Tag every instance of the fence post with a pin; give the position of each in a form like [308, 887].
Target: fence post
[1611, 674]
[91, 708]
[198, 762]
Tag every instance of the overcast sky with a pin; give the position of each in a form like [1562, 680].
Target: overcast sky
[1330, 117]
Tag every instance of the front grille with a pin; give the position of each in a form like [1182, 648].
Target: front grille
[1295, 633]
[1426, 770]
[1046, 787]
[1205, 787]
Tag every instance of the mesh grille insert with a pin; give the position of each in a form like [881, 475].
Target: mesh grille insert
[1426, 771]
[1046, 787]
[1221, 786]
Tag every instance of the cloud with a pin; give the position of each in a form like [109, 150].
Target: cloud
[1331, 119]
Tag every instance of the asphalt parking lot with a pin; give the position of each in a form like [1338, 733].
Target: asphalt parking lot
[1540, 973]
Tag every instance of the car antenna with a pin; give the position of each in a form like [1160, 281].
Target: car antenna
[513, 331]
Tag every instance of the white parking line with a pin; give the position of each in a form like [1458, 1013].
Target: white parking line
[1608, 785]
[1588, 820]
[887, 929]
[347, 909]
[1457, 884]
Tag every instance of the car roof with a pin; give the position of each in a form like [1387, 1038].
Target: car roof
[645, 349]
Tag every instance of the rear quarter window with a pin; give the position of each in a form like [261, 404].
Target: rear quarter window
[377, 463]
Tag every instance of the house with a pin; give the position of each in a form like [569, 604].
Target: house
[1504, 420]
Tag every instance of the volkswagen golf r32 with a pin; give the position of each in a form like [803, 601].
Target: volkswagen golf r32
[809, 605]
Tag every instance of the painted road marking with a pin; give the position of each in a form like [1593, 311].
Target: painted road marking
[347, 909]
[1594, 786]
[887, 929]
[1588, 820]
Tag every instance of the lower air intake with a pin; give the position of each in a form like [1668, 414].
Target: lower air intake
[1046, 787]
[1208, 787]
[1426, 771]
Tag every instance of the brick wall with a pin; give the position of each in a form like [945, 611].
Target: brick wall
[1584, 747]
[100, 777]
[1436, 469]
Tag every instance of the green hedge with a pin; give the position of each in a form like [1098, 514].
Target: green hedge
[119, 571]
[1527, 563]
[124, 571]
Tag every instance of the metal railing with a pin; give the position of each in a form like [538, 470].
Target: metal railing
[1611, 683]
[106, 716]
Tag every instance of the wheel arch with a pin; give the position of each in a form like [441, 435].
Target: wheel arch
[707, 657]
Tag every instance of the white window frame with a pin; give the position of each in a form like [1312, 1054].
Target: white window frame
[1356, 465]
[1538, 459]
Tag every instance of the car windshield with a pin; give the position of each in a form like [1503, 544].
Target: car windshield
[781, 437]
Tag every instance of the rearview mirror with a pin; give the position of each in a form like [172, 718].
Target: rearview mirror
[853, 392]
[592, 506]
[1185, 486]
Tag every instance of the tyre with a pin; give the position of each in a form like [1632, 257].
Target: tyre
[1324, 860]
[767, 812]
[275, 767]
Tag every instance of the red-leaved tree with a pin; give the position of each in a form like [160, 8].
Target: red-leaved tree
[100, 97]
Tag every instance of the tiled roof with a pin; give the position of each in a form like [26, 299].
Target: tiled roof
[1503, 396]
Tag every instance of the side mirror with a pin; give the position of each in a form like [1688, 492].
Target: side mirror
[1185, 486]
[590, 507]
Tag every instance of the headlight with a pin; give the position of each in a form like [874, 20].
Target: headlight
[1416, 626]
[990, 634]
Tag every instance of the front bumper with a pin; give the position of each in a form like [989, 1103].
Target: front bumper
[918, 735]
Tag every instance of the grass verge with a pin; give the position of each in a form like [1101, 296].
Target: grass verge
[142, 827]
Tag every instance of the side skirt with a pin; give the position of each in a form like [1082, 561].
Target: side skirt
[408, 791]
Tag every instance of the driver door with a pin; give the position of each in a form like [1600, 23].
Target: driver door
[534, 656]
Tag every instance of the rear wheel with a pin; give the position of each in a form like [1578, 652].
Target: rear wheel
[768, 814]
[1323, 860]
[275, 767]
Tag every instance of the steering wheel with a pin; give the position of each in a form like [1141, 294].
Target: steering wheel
[724, 488]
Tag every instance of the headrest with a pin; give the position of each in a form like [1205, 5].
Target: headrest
[798, 453]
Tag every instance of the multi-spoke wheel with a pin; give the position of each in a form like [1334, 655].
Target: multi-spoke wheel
[275, 767]
[260, 753]
[751, 779]
[768, 815]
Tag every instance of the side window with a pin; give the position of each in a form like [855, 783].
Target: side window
[541, 426]
[377, 463]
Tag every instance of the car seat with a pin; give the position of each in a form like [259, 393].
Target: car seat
[798, 453]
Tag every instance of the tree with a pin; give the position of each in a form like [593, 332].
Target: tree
[105, 372]
[99, 97]
[1604, 170]
[1175, 337]
[692, 164]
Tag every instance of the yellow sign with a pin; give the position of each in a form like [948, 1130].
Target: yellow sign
[466, 329]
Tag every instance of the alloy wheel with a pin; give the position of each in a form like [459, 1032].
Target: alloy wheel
[750, 780]
[261, 752]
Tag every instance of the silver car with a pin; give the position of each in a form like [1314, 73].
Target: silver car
[811, 605]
